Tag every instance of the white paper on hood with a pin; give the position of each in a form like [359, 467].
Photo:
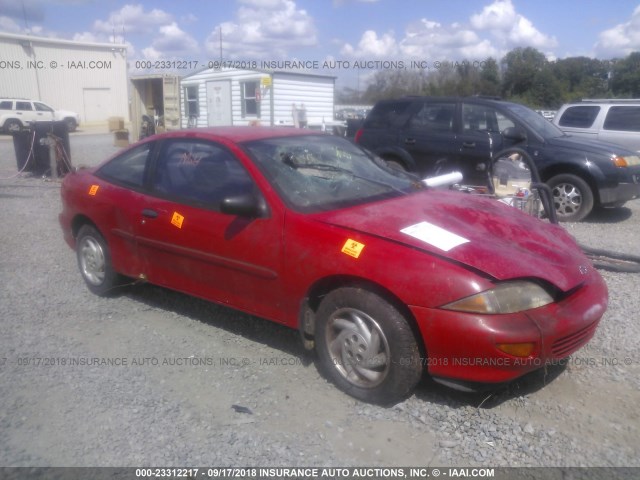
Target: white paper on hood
[434, 235]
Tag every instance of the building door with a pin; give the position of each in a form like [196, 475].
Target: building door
[97, 104]
[219, 103]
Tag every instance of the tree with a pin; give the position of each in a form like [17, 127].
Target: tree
[490, 78]
[626, 77]
[582, 77]
[520, 67]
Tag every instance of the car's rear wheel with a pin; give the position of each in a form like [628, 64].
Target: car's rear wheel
[11, 126]
[572, 197]
[366, 346]
[395, 164]
[94, 261]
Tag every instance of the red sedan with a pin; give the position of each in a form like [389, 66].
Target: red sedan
[384, 277]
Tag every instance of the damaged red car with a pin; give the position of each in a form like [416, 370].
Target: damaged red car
[384, 277]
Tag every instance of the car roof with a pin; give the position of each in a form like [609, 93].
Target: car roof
[240, 133]
[481, 99]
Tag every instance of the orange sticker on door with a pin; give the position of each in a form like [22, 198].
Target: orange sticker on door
[94, 189]
[352, 248]
[177, 220]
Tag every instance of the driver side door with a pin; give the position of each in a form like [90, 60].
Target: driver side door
[189, 245]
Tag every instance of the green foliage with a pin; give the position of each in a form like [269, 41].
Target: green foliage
[523, 75]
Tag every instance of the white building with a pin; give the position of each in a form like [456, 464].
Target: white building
[217, 97]
[87, 78]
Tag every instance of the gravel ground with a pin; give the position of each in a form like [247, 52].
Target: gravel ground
[150, 377]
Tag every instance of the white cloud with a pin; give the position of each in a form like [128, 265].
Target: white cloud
[89, 37]
[622, 39]
[8, 25]
[173, 42]
[372, 46]
[133, 19]
[494, 31]
[511, 29]
[263, 29]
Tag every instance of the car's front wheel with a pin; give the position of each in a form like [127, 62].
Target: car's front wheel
[572, 197]
[94, 261]
[71, 124]
[366, 346]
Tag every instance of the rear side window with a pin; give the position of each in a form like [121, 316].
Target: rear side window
[437, 117]
[579, 117]
[626, 119]
[6, 105]
[129, 168]
[23, 106]
[387, 114]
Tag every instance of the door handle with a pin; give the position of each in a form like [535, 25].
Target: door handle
[469, 144]
[410, 141]
[147, 212]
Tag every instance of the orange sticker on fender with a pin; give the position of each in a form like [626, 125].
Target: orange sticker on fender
[352, 248]
[94, 189]
[177, 220]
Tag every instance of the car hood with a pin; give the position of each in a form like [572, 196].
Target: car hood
[582, 144]
[482, 234]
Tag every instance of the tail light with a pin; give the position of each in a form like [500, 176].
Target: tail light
[359, 133]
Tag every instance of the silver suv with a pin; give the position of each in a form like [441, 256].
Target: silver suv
[614, 121]
[16, 113]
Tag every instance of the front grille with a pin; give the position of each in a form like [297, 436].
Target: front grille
[565, 346]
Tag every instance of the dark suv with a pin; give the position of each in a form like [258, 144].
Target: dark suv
[433, 135]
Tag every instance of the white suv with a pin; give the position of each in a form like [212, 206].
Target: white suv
[613, 121]
[17, 113]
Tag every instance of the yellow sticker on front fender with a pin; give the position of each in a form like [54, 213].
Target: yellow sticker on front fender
[352, 248]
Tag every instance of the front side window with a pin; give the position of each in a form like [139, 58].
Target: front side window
[199, 173]
[626, 119]
[41, 107]
[129, 168]
[581, 116]
[250, 103]
[436, 117]
[482, 118]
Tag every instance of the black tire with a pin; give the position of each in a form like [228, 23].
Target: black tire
[395, 164]
[366, 346]
[94, 262]
[12, 125]
[572, 197]
[71, 124]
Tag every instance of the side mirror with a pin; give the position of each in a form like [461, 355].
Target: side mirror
[246, 205]
[514, 134]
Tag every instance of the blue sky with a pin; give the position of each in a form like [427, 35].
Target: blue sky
[346, 30]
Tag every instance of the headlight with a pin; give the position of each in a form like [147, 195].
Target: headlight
[628, 161]
[507, 297]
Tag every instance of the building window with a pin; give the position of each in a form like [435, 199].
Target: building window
[191, 101]
[250, 103]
